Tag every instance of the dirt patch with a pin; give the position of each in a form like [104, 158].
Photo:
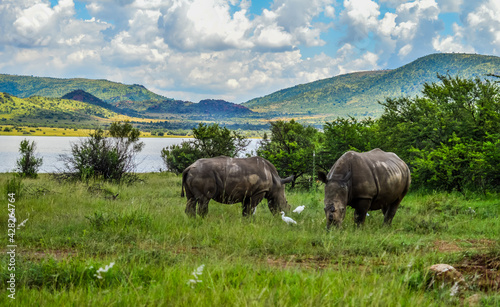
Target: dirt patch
[462, 245]
[446, 247]
[57, 254]
[317, 263]
[482, 271]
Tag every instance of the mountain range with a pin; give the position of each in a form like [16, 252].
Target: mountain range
[355, 94]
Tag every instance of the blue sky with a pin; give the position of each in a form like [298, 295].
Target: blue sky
[234, 49]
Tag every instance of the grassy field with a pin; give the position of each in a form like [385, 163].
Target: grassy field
[47, 131]
[73, 229]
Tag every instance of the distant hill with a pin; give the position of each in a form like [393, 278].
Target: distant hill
[81, 95]
[109, 92]
[207, 108]
[133, 100]
[49, 111]
[357, 94]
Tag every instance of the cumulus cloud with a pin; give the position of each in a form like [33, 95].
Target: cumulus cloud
[482, 27]
[205, 25]
[452, 43]
[399, 35]
[361, 17]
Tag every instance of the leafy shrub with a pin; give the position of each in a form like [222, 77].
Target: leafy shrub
[209, 141]
[291, 148]
[28, 164]
[107, 156]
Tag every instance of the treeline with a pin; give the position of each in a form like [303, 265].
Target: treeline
[449, 136]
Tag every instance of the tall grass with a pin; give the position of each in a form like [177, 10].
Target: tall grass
[75, 229]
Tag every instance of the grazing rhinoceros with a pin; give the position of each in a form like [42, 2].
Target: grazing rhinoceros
[233, 180]
[365, 181]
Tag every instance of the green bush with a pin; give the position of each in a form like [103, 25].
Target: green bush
[107, 156]
[209, 141]
[28, 164]
[291, 149]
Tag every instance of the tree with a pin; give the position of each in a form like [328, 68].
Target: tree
[346, 134]
[209, 141]
[449, 136]
[291, 148]
[105, 155]
[28, 164]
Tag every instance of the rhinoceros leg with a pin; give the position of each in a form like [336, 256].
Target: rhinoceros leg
[203, 206]
[191, 207]
[390, 211]
[361, 207]
[247, 206]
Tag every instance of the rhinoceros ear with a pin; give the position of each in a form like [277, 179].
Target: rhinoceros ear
[322, 177]
[287, 180]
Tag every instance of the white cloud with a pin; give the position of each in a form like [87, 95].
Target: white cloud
[482, 27]
[351, 60]
[452, 43]
[205, 25]
[450, 5]
[330, 11]
[361, 17]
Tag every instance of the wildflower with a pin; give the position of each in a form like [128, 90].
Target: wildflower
[101, 270]
[196, 273]
[22, 224]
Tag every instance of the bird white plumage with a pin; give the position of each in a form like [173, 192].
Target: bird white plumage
[287, 219]
[299, 209]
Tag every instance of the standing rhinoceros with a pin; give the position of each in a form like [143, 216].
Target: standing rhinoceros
[233, 180]
[365, 181]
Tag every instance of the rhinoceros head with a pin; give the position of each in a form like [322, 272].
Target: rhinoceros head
[336, 197]
[277, 200]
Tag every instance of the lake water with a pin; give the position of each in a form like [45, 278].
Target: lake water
[50, 147]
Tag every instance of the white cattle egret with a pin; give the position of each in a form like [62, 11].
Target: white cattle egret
[299, 209]
[287, 219]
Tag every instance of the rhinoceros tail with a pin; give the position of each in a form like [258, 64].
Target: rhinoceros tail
[184, 176]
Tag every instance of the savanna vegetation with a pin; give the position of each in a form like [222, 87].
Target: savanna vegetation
[71, 231]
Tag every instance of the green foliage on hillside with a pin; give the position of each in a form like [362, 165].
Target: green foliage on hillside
[110, 92]
[357, 94]
[42, 109]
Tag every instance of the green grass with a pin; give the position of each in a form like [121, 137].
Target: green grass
[74, 229]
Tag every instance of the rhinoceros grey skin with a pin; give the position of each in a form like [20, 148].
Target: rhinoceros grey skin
[366, 181]
[233, 180]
